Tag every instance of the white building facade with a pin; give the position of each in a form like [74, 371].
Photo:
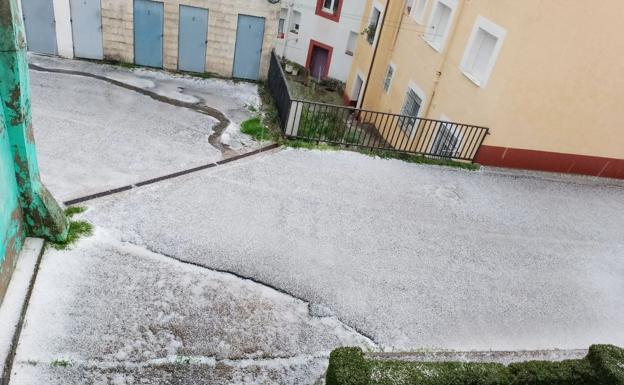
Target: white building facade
[320, 35]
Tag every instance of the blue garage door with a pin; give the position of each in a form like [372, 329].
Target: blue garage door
[249, 38]
[148, 33]
[40, 26]
[86, 16]
[192, 39]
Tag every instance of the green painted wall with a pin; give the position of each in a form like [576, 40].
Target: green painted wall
[11, 218]
[26, 206]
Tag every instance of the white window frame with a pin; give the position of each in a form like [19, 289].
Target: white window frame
[495, 30]
[352, 52]
[438, 45]
[292, 23]
[391, 65]
[458, 135]
[361, 75]
[329, 10]
[418, 10]
[423, 100]
[420, 93]
[381, 10]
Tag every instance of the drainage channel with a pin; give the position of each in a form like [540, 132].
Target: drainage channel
[170, 176]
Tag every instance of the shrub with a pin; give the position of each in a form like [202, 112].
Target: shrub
[604, 365]
[608, 360]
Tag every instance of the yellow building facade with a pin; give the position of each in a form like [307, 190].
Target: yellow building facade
[545, 76]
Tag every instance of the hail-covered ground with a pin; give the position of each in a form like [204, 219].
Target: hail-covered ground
[251, 272]
[94, 136]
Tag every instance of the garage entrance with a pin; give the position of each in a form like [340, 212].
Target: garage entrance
[40, 26]
[192, 39]
[249, 39]
[148, 33]
[87, 28]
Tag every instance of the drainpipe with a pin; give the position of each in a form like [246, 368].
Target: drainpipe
[287, 28]
[445, 58]
[370, 70]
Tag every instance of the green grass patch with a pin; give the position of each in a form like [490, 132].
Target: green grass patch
[603, 365]
[127, 65]
[257, 130]
[410, 158]
[77, 229]
[61, 363]
[74, 210]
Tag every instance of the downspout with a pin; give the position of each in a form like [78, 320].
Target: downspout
[447, 50]
[370, 70]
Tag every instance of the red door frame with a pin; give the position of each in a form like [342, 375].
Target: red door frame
[329, 48]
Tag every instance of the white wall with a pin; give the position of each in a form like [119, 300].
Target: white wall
[62, 17]
[335, 34]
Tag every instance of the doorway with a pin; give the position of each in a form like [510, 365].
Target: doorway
[319, 60]
[148, 33]
[357, 90]
[192, 39]
[86, 16]
[248, 50]
[40, 26]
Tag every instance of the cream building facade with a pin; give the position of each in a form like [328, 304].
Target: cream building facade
[544, 76]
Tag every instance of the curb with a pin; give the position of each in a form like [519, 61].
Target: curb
[15, 303]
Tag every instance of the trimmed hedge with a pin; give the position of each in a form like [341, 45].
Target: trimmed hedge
[603, 365]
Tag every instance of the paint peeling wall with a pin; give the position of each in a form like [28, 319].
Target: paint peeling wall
[11, 219]
[26, 206]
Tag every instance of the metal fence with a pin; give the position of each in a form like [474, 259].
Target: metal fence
[357, 127]
[279, 90]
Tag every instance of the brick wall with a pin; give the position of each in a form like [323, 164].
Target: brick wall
[117, 25]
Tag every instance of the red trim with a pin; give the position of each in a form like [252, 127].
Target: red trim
[551, 161]
[331, 16]
[314, 43]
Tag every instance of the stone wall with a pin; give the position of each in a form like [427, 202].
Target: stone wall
[117, 25]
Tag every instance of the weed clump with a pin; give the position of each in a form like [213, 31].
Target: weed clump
[77, 229]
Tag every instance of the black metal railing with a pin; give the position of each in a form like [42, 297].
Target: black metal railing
[371, 129]
[279, 90]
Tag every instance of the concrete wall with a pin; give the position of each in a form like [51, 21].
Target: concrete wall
[321, 29]
[553, 97]
[62, 18]
[118, 34]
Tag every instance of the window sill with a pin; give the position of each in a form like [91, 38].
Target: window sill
[329, 15]
[472, 78]
[432, 44]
